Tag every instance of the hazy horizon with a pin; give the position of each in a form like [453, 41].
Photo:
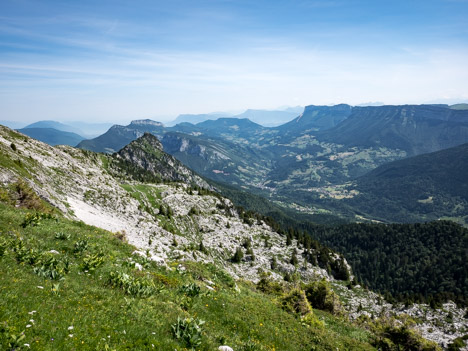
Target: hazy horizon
[117, 61]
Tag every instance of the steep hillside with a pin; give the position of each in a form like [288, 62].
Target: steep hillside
[426, 262]
[231, 127]
[415, 129]
[98, 189]
[427, 187]
[177, 225]
[316, 118]
[82, 287]
[52, 136]
[219, 159]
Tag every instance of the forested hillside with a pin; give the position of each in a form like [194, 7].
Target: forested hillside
[410, 262]
[424, 187]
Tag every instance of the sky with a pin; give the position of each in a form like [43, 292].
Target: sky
[114, 61]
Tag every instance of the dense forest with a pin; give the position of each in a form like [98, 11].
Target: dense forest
[410, 262]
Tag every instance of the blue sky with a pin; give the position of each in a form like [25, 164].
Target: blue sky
[121, 60]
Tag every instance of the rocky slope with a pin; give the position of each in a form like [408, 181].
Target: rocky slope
[152, 216]
[173, 221]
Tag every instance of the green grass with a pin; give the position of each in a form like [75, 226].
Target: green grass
[106, 318]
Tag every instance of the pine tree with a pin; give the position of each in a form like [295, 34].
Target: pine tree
[238, 256]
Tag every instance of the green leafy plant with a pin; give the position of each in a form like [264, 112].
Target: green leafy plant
[22, 254]
[191, 290]
[189, 331]
[3, 247]
[80, 246]
[35, 219]
[393, 335]
[62, 236]
[141, 287]
[48, 267]
[91, 262]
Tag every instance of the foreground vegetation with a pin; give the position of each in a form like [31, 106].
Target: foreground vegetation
[66, 285]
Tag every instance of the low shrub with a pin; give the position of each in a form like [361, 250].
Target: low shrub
[392, 335]
[296, 302]
[322, 297]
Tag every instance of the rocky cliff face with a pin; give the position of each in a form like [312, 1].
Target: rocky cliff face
[415, 129]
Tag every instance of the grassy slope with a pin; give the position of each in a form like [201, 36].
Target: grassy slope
[106, 318]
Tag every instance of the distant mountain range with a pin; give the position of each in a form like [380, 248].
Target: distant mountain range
[296, 163]
[52, 136]
[55, 125]
[305, 164]
[263, 117]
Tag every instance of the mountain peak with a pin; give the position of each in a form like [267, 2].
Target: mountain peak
[150, 140]
[146, 122]
[147, 153]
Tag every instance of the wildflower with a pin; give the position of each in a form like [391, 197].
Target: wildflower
[29, 326]
[32, 312]
[70, 335]
[32, 321]
[70, 327]
[40, 287]
[27, 345]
